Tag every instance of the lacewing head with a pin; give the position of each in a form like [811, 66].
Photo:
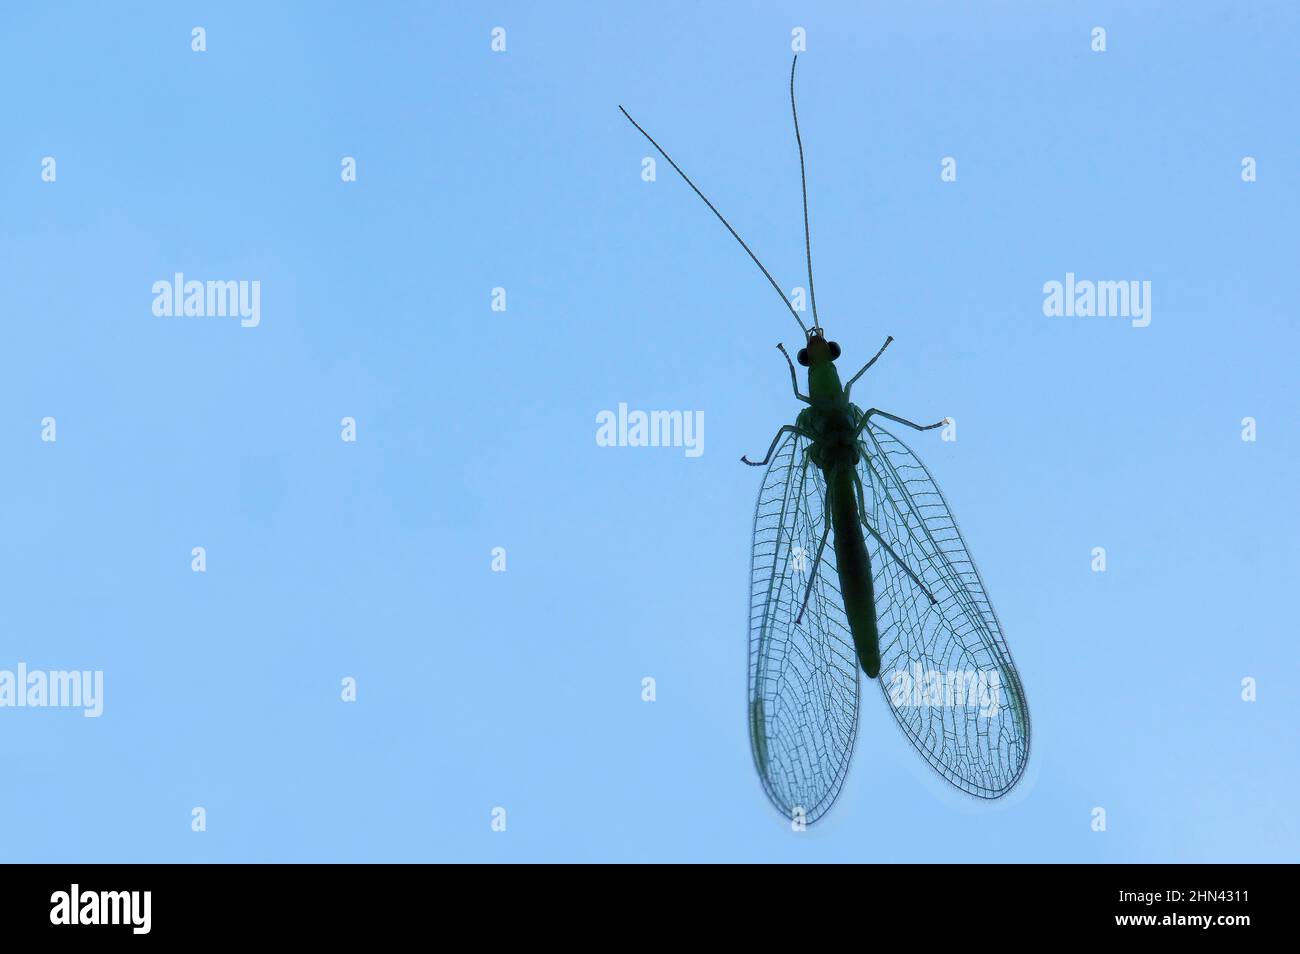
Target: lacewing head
[818, 350]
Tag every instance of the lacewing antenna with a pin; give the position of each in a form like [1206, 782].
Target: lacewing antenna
[721, 219]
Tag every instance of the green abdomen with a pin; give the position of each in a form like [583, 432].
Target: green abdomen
[854, 566]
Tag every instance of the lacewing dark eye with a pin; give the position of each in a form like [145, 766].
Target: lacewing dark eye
[835, 350]
[802, 357]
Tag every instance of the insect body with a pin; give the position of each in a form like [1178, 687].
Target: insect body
[831, 425]
[890, 590]
[834, 450]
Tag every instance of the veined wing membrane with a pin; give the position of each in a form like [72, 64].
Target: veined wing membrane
[945, 670]
[803, 677]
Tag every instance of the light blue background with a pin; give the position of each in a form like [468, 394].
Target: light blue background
[476, 429]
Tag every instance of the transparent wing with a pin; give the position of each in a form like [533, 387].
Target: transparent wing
[803, 678]
[945, 668]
